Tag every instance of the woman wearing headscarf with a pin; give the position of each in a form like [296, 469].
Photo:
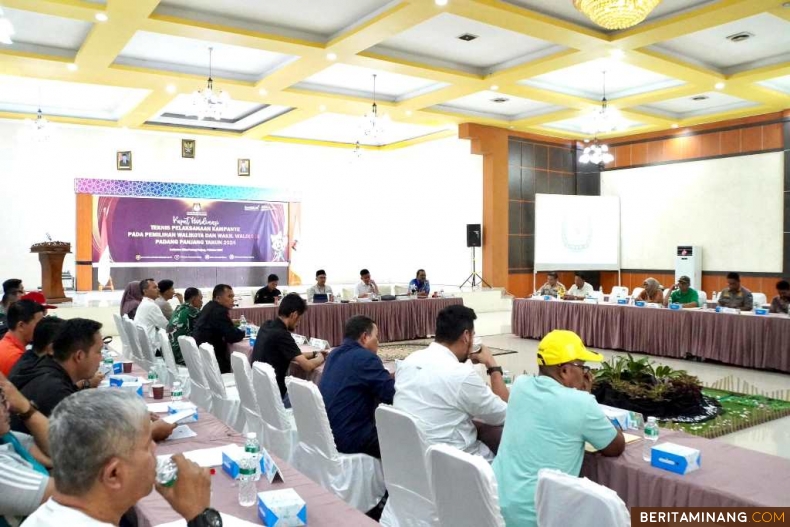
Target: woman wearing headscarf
[652, 292]
[131, 299]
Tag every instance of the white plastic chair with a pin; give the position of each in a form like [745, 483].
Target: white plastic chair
[249, 403]
[703, 298]
[200, 394]
[637, 292]
[225, 402]
[174, 370]
[759, 299]
[357, 479]
[562, 500]
[406, 475]
[149, 356]
[134, 340]
[464, 487]
[280, 436]
[126, 349]
[618, 291]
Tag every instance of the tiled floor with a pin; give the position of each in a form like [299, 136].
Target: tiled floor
[771, 438]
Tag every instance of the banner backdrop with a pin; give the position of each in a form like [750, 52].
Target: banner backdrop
[157, 231]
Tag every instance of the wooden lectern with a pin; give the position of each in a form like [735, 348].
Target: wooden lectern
[51, 255]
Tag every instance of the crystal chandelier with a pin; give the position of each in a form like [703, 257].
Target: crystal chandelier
[596, 154]
[6, 29]
[38, 130]
[374, 125]
[616, 14]
[208, 103]
[604, 119]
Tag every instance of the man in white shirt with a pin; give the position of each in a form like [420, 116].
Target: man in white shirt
[149, 316]
[367, 286]
[104, 463]
[439, 387]
[320, 287]
[580, 289]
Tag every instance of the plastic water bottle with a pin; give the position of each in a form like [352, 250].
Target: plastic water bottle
[161, 368]
[507, 378]
[651, 438]
[253, 448]
[244, 326]
[177, 393]
[166, 471]
[152, 378]
[248, 493]
[106, 367]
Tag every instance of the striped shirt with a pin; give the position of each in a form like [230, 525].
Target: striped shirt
[21, 487]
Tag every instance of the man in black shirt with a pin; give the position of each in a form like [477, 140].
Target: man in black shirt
[215, 326]
[275, 344]
[268, 293]
[43, 337]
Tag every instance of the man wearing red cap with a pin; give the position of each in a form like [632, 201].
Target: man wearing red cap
[38, 298]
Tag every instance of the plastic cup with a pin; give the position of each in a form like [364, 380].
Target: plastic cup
[159, 391]
[127, 366]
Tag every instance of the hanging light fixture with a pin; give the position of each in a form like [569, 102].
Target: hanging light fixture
[374, 124]
[604, 119]
[208, 103]
[38, 130]
[616, 14]
[6, 29]
[596, 153]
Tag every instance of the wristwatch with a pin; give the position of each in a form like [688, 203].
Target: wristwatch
[85, 384]
[494, 369]
[207, 518]
[30, 411]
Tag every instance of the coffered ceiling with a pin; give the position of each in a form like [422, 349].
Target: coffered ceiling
[302, 70]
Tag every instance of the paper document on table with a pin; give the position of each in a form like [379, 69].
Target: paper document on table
[182, 432]
[227, 521]
[206, 457]
[158, 408]
[629, 438]
[178, 416]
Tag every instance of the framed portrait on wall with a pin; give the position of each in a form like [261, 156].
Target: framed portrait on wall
[124, 160]
[188, 148]
[244, 167]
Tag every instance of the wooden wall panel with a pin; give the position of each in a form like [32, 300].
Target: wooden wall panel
[83, 252]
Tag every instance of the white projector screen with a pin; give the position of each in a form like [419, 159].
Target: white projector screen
[731, 207]
[577, 232]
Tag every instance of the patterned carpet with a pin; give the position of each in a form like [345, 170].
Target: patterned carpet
[400, 350]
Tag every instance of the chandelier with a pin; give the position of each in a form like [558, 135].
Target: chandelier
[596, 154]
[6, 29]
[208, 103]
[616, 14]
[604, 119]
[38, 130]
[373, 126]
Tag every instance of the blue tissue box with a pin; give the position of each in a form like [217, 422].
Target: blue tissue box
[117, 367]
[127, 382]
[675, 458]
[760, 311]
[640, 303]
[622, 301]
[282, 508]
[231, 455]
[674, 306]
[547, 297]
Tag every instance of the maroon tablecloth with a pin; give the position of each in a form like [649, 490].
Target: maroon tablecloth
[397, 320]
[742, 340]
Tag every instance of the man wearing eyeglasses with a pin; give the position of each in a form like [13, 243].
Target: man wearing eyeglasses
[549, 418]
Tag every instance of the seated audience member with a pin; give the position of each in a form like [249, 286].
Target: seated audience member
[267, 293]
[549, 418]
[43, 337]
[735, 295]
[24, 480]
[552, 287]
[683, 294]
[367, 286]
[781, 302]
[8, 298]
[420, 285]
[441, 389]
[182, 323]
[275, 344]
[12, 284]
[22, 319]
[149, 316]
[320, 287]
[166, 293]
[353, 383]
[652, 292]
[75, 360]
[104, 463]
[215, 326]
[132, 296]
[580, 289]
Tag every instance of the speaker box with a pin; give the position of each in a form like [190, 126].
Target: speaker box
[474, 235]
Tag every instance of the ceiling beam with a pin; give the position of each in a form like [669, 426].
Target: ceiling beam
[278, 123]
[73, 9]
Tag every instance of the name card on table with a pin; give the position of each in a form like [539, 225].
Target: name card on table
[591, 300]
[728, 310]
[231, 456]
[270, 468]
[761, 311]
[188, 411]
[319, 344]
[654, 305]
[675, 458]
[675, 306]
[282, 508]
[640, 303]
[299, 339]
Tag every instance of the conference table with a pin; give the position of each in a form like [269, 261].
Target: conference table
[397, 319]
[745, 339]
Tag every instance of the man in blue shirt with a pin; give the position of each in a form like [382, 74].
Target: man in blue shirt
[549, 418]
[353, 384]
[420, 286]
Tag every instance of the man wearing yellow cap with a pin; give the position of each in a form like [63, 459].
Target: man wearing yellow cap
[549, 418]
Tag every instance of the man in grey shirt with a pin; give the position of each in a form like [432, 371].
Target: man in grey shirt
[166, 292]
[320, 287]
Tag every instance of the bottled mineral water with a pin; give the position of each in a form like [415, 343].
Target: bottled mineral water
[177, 393]
[253, 448]
[247, 490]
[651, 438]
[106, 367]
[166, 471]
[244, 326]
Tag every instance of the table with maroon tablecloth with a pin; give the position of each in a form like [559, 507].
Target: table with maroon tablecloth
[397, 319]
[742, 340]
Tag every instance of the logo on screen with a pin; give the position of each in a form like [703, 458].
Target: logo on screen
[577, 231]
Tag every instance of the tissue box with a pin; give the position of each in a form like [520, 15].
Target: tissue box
[674, 306]
[548, 297]
[622, 301]
[281, 508]
[179, 406]
[675, 458]
[760, 311]
[127, 382]
[117, 367]
[620, 418]
[231, 455]
[640, 303]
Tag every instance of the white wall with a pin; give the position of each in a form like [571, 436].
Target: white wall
[731, 207]
[391, 212]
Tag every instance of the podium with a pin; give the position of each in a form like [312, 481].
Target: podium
[51, 255]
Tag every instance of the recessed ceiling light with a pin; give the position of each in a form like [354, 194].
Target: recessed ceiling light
[700, 98]
[331, 56]
[467, 37]
[441, 2]
[719, 85]
[617, 54]
[740, 37]
[102, 17]
[171, 88]
[674, 125]
[408, 112]
[494, 87]
[72, 67]
[262, 92]
[500, 100]
[322, 108]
